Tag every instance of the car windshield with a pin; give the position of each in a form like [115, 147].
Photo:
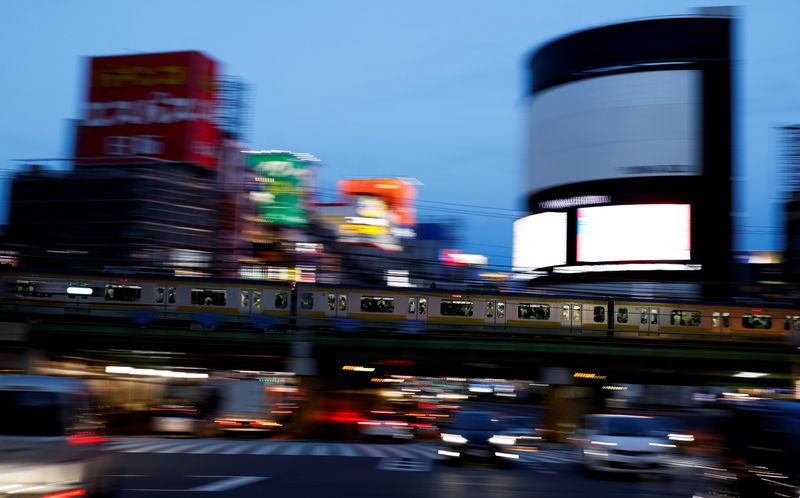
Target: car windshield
[630, 426]
[475, 421]
[30, 413]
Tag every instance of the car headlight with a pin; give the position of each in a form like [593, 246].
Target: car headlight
[663, 445]
[453, 438]
[503, 440]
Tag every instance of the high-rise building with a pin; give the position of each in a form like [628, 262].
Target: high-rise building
[630, 156]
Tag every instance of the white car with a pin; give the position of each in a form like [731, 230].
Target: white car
[626, 444]
[49, 444]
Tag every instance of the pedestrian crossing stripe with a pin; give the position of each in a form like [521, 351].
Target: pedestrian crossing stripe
[408, 451]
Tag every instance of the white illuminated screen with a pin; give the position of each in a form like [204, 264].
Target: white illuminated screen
[641, 232]
[540, 240]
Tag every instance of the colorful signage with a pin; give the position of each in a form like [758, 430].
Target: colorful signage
[154, 105]
[398, 195]
[284, 186]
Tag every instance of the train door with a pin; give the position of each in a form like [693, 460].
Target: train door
[495, 312]
[572, 316]
[245, 301]
[422, 308]
[648, 321]
[336, 304]
[411, 310]
[166, 297]
[720, 322]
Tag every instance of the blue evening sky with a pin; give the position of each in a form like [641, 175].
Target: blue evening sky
[426, 89]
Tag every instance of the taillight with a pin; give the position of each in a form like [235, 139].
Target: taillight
[86, 438]
[66, 494]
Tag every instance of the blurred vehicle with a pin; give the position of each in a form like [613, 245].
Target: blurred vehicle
[383, 424]
[245, 407]
[188, 409]
[49, 443]
[626, 444]
[761, 452]
[176, 419]
[523, 430]
[476, 435]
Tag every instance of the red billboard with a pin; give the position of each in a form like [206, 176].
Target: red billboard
[399, 196]
[154, 105]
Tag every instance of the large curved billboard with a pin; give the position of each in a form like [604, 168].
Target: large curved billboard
[616, 126]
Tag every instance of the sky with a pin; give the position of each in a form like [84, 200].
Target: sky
[430, 90]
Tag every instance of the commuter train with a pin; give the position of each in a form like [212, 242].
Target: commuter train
[285, 306]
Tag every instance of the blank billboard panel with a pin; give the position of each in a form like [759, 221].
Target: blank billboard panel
[637, 232]
[540, 241]
[617, 126]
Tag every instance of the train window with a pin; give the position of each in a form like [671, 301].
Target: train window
[796, 323]
[653, 317]
[256, 300]
[622, 315]
[377, 304]
[282, 300]
[455, 308]
[209, 297]
[307, 301]
[715, 319]
[565, 313]
[245, 299]
[533, 311]
[599, 314]
[331, 301]
[576, 314]
[685, 318]
[123, 293]
[753, 321]
[423, 305]
[343, 303]
[171, 295]
[726, 320]
[787, 323]
[501, 310]
[29, 288]
[412, 305]
[643, 317]
[489, 309]
[160, 295]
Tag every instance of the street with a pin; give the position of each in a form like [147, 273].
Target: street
[245, 468]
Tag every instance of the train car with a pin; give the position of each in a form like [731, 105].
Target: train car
[690, 321]
[557, 315]
[145, 300]
[344, 308]
[352, 308]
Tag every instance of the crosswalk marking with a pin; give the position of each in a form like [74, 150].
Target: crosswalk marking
[294, 449]
[369, 450]
[346, 450]
[320, 451]
[269, 448]
[410, 451]
[208, 448]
